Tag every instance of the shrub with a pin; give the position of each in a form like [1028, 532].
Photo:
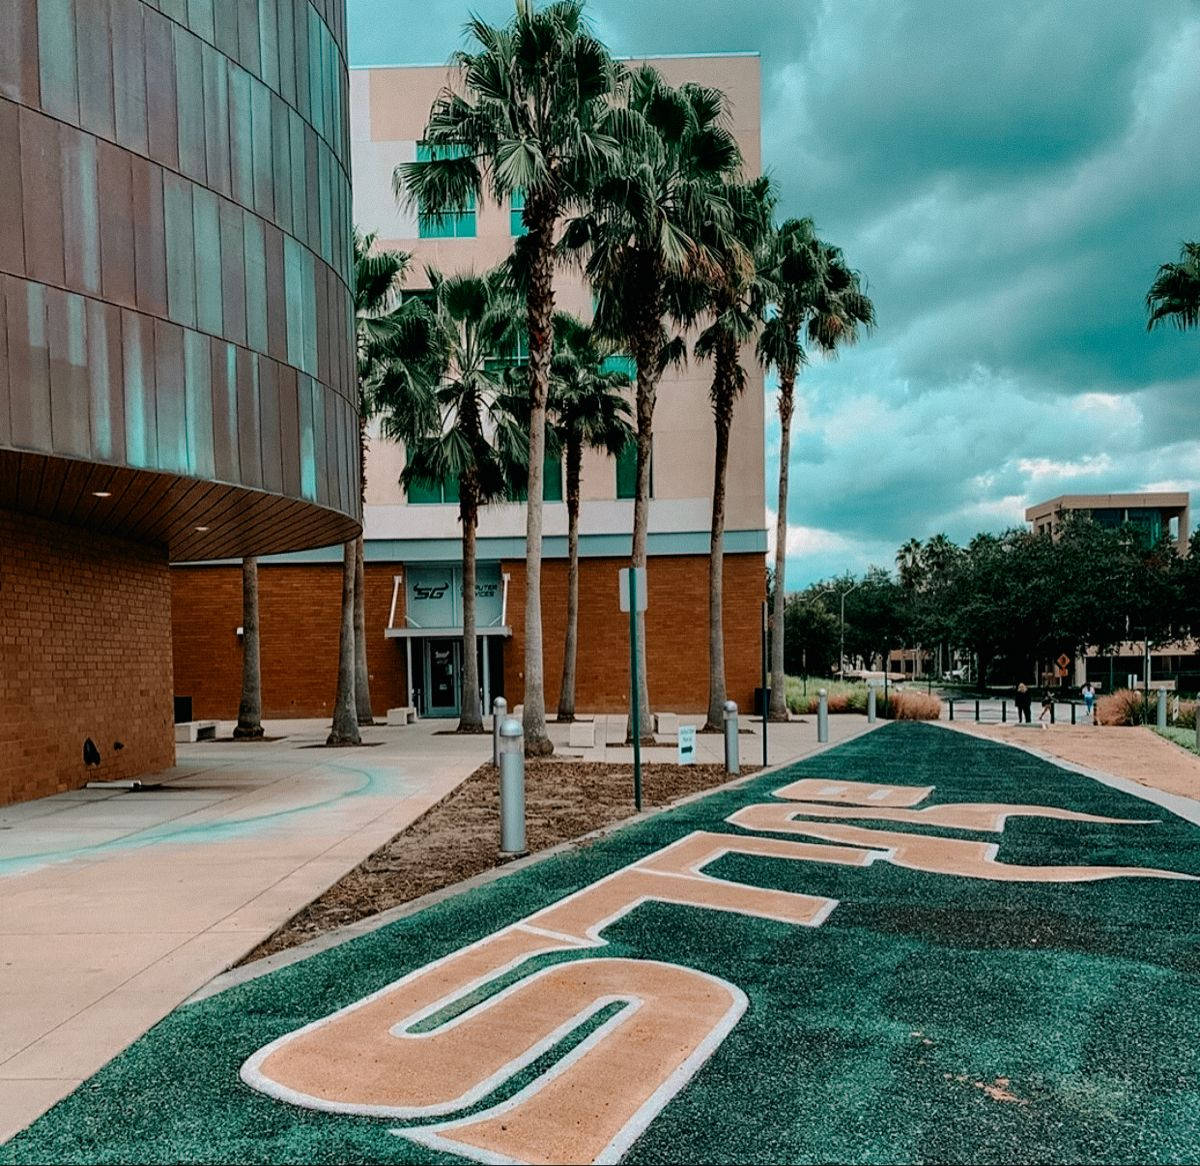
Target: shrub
[1127, 706]
[844, 696]
[913, 706]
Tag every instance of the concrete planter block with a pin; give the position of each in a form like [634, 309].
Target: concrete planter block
[666, 724]
[582, 735]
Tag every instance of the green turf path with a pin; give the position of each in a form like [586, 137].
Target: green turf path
[1085, 996]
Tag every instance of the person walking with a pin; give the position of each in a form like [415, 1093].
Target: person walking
[1047, 707]
[1024, 703]
[1088, 692]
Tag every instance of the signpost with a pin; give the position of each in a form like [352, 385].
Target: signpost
[766, 700]
[632, 590]
[687, 744]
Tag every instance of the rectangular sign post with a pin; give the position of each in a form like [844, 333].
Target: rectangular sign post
[766, 700]
[633, 602]
[687, 744]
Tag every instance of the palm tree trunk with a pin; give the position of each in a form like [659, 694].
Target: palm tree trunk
[470, 718]
[787, 389]
[566, 693]
[723, 417]
[362, 677]
[344, 730]
[540, 318]
[646, 390]
[249, 725]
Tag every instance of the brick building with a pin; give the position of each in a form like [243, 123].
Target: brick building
[176, 355]
[413, 548]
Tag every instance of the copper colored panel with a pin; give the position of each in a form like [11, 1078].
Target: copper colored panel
[118, 264]
[169, 397]
[226, 461]
[268, 404]
[5, 426]
[129, 73]
[41, 197]
[19, 51]
[289, 430]
[28, 364]
[249, 418]
[66, 328]
[150, 254]
[106, 389]
[12, 223]
[161, 106]
[276, 296]
[94, 59]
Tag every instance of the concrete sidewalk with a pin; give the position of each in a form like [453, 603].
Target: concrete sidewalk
[116, 905]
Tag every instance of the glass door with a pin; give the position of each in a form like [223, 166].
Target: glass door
[442, 668]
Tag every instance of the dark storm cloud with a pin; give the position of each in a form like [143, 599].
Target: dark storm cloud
[1007, 176]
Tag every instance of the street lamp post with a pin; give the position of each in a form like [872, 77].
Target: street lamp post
[842, 627]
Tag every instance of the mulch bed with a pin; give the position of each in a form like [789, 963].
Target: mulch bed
[459, 837]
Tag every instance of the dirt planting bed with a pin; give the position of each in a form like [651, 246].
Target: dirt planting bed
[459, 837]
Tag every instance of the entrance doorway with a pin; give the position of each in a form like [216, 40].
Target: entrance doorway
[443, 671]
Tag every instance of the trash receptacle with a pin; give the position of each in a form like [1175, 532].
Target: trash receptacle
[762, 707]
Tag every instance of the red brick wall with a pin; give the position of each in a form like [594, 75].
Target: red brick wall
[299, 622]
[85, 651]
[299, 614]
[676, 632]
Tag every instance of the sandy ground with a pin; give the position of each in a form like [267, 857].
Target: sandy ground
[1135, 753]
[457, 838]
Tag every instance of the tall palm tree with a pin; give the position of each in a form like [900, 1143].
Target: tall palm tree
[650, 230]
[910, 563]
[588, 411]
[534, 112]
[249, 722]
[1175, 293]
[393, 347]
[734, 302]
[459, 429]
[818, 298]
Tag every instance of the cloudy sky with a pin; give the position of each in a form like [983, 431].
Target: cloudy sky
[1007, 176]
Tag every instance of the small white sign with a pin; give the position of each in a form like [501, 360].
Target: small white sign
[623, 587]
[687, 744]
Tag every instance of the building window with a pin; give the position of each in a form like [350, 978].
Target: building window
[516, 214]
[627, 471]
[433, 493]
[622, 364]
[458, 224]
[552, 483]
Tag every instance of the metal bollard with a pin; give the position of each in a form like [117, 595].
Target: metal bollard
[977, 712]
[822, 715]
[952, 708]
[1004, 712]
[1162, 708]
[871, 705]
[512, 787]
[1072, 712]
[499, 712]
[732, 764]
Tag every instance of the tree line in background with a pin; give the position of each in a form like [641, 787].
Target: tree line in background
[639, 184]
[1009, 603]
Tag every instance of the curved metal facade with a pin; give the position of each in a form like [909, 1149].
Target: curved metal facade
[176, 324]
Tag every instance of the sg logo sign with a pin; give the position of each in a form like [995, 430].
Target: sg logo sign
[385, 1056]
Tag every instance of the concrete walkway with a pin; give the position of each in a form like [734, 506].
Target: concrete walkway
[116, 905]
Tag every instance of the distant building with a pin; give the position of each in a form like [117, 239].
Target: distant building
[1154, 514]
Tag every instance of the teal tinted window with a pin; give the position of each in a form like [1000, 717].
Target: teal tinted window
[458, 224]
[622, 364]
[627, 471]
[516, 217]
[552, 483]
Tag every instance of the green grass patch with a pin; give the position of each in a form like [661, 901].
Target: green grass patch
[868, 1039]
[845, 696]
[1186, 738]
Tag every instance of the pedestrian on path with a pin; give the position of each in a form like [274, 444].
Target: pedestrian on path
[1047, 707]
[1024, 703]
[1089, 702]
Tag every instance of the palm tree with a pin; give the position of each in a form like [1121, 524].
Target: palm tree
[649, 232]
[459, 429]
[535, 113]
[734, 301]
[1175, 293]
[249, 722]
[910, 563]
[589, 411]
[393, 347]
[819, 298]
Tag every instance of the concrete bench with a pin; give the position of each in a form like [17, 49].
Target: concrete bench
[188, 732]
[666, 724]
[582, 735]
[402, 716]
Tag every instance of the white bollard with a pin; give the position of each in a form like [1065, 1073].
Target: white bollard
[732, 764]
[499, 712]
[822, 716]
[871, 705]
[1162, 708]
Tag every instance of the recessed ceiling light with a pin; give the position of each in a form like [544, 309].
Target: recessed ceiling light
[101, 493]
[202, 528]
